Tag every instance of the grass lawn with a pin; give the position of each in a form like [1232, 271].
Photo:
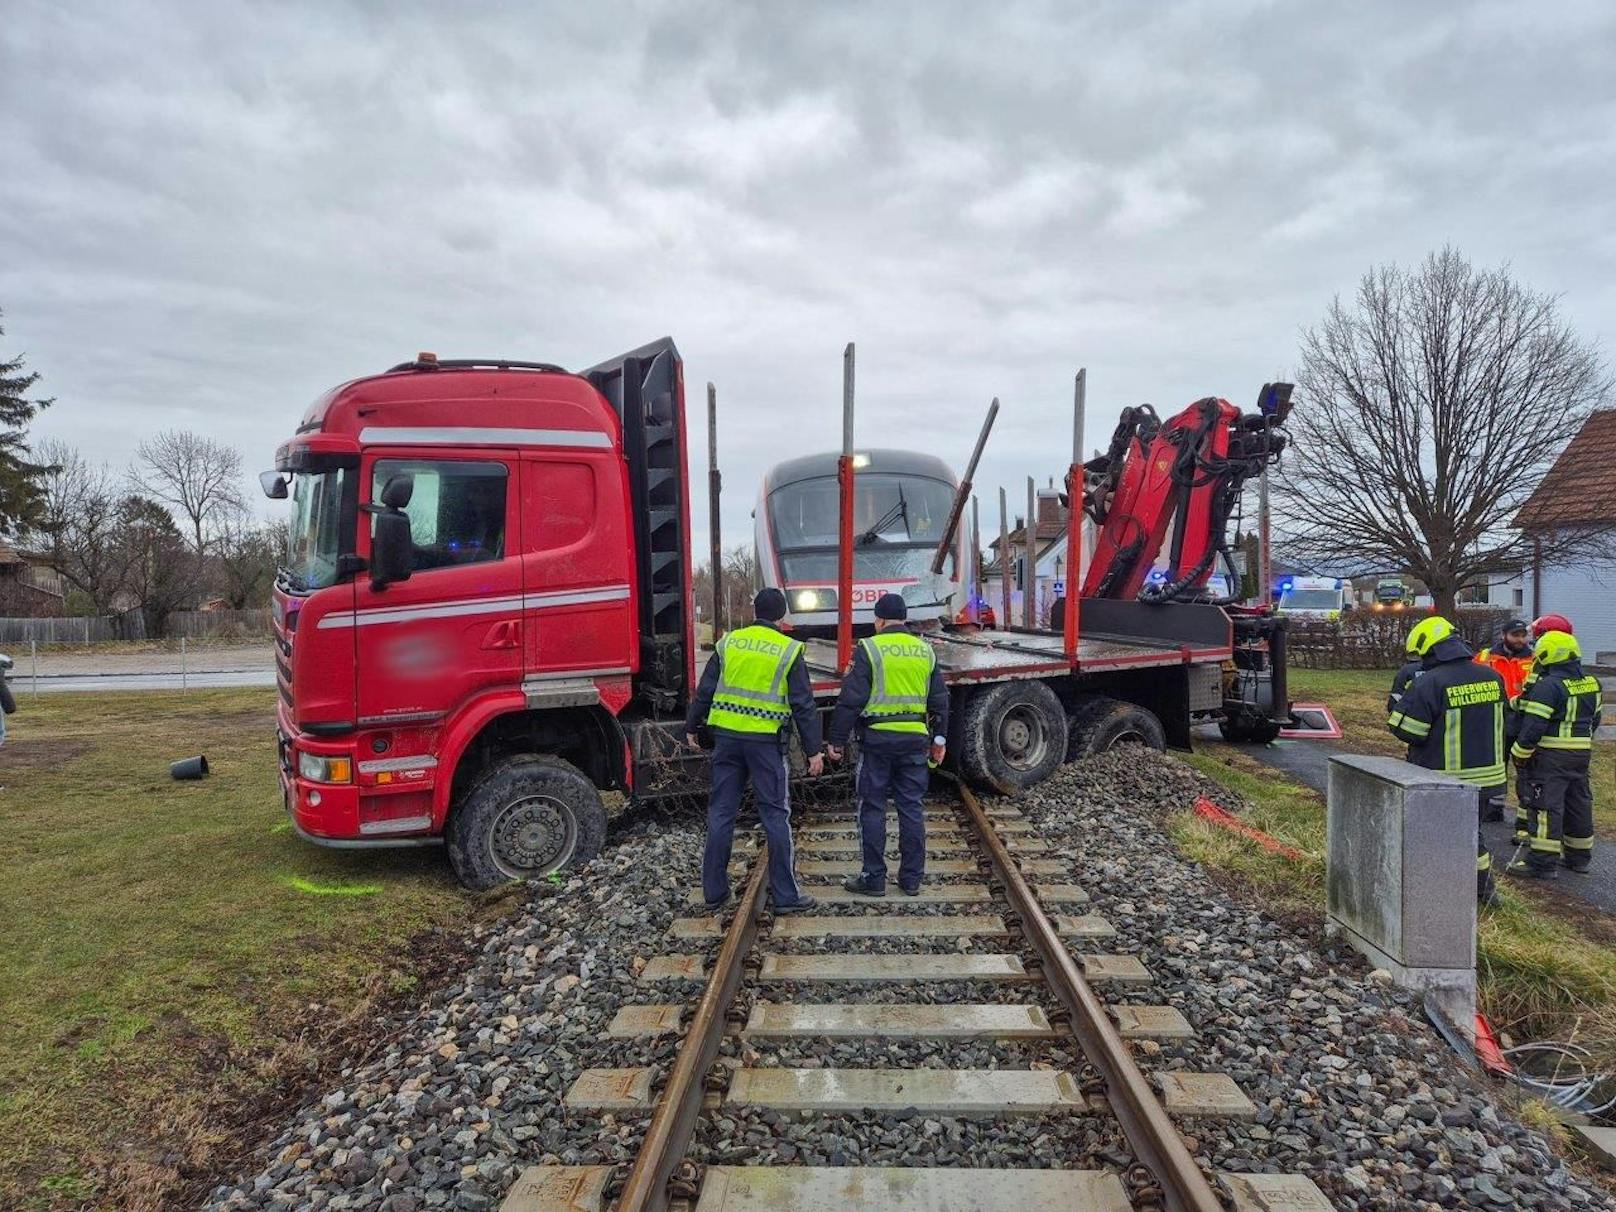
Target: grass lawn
[178, 964]
[1547, 965]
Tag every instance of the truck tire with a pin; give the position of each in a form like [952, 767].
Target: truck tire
[1100, 722]
[1012, 736]
[528, 816]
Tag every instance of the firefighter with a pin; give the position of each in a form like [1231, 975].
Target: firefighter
[1452, 716]
[754, 683]
[1511, 656]
[894, 693]
[1559, 712]
[1541, 626]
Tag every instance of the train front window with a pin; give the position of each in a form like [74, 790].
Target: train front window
[898, 521]
[887, 510]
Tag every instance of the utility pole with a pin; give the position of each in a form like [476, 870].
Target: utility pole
[715, 488]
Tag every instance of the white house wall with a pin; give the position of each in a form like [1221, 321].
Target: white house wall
[1583, 591]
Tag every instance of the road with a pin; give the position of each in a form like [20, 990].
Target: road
[204, 680]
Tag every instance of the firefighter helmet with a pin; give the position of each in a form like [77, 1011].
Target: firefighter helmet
[1546, 623]
[1427, 634]
[1557, 647]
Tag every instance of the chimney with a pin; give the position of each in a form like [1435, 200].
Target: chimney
[1050, 513]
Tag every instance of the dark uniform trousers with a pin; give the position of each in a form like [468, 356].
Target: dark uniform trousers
[1558, 800]
[893, 767]
[762, 763]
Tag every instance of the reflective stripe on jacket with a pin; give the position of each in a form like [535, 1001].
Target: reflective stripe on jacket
[1559, 710]
[1513, 669]
[751, 693]
[900, 674]
[1452, 717]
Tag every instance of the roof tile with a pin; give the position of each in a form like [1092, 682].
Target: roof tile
[1580, 489]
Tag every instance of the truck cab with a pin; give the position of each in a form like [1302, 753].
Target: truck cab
[480, 581]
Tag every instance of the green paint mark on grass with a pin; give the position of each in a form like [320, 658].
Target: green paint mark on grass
[314, 889]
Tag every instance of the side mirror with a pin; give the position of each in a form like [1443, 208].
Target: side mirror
[398, 490]
[273, 484]
[392, 551]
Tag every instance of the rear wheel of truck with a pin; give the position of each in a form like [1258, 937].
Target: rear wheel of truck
[1100, 722]
[1012, 736]
[527, 817]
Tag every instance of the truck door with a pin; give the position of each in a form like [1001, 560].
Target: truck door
[455, 627]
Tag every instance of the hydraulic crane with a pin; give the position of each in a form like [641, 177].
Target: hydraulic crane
[1167, 491]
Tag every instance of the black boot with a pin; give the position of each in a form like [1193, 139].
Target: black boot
[865, 885]
[1529, 869]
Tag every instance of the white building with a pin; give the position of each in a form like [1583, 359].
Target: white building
[1578, 491]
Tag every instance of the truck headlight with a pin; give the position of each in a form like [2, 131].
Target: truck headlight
[806, 600]
[318, 768]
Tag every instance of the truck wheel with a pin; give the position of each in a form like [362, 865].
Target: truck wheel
[1100, 722]
[1012, 736]
[529, 816]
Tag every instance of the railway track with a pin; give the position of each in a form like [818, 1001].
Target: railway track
[868, 969]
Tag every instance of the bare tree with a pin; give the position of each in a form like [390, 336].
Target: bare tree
[196, 476]
[740, 584]
[245, 555]
[80, 524]
[1428, 410]
[157, 575]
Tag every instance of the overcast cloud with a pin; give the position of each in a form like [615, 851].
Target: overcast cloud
[210, 213]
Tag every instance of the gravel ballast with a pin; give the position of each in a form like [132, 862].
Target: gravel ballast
[1352, 1088]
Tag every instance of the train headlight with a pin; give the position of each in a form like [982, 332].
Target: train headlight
[808, 600]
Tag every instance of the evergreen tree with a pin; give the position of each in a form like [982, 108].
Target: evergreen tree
[22, 481]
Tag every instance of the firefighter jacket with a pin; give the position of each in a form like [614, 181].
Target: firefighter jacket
[754, 683]
[1560, 710]
[1403, 679]
[1452, 716]
[1511, 667]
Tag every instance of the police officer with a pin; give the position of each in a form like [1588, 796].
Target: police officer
[756, 680]
[895, 694]
[1559, 712]
[1452, 716]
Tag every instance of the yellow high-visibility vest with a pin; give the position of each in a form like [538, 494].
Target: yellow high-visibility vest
[752, 666]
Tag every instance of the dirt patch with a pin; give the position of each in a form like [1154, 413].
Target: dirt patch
[38, 754]
[226, 1102]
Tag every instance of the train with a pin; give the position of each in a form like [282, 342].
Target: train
[901, 505]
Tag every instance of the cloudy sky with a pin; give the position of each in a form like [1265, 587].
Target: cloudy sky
[211, 212]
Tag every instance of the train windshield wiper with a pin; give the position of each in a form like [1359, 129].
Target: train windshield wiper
[898, 512]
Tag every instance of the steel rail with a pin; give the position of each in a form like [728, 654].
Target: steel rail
[1146, 1124]
[673, 1124]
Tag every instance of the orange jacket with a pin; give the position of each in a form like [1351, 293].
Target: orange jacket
[1513, 669]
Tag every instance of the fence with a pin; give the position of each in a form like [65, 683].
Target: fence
[97, 629]
[1376, 641]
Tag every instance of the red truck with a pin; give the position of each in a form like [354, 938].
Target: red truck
[486, 622]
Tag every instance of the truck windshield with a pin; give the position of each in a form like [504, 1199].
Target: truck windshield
[315, 539]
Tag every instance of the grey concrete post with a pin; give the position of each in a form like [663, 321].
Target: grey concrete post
[1401, 875]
